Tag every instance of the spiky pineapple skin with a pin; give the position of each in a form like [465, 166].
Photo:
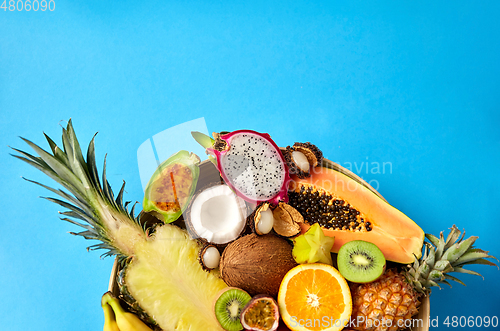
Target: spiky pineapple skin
[385, 304]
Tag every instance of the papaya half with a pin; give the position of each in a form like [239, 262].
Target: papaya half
[172, 186]
[347, 210]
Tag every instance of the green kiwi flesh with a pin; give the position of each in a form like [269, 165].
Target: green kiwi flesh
[360, 261]
[228, 308]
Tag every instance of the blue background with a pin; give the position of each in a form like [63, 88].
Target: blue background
[413, 83]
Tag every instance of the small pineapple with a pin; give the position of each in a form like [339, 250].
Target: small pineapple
[162, 271]
[387, 303]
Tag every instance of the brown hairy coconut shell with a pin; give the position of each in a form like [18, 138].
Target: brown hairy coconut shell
[257, 264]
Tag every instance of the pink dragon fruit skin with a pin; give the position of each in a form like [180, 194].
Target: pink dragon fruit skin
[253, 166]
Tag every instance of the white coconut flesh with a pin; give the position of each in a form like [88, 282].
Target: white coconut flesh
[254, 166]
[218, 215]
[300, 160]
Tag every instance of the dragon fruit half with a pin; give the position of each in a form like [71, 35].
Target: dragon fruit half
[252, 165]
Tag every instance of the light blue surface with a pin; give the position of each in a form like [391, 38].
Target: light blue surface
[413, 84]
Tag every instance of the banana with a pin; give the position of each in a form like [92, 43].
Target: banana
[125, 321]
[109, 318]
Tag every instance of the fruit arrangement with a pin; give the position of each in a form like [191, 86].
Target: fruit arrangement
[282, 239]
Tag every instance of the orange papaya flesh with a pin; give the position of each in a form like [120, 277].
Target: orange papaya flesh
[347, 210]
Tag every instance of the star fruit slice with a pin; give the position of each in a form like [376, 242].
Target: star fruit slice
[313, 246]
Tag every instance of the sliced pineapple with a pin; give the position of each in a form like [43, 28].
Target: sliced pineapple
[167, 281]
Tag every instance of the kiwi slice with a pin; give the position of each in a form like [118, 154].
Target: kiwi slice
[360, 261]
[228, 308]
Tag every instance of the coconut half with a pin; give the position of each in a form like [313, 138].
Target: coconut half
[216, 215]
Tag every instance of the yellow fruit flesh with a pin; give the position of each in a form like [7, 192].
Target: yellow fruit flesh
[167, 281]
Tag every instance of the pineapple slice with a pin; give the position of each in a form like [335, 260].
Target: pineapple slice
[167, 281]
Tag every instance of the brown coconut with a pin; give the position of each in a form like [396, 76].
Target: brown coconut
[257, 264]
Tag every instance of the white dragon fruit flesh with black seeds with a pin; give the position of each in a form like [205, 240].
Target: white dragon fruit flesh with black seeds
[252, 165]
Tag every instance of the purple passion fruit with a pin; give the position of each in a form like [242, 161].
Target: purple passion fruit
[260, 314]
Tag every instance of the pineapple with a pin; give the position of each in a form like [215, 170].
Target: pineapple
[162, 271]
[391, 300]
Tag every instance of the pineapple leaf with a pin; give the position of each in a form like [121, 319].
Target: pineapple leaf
[433, 239]
[119, 198]
[478, 250]
[58, 153]
[422, 271]
[452, 237]
[35, 159]
[75, 144]
[132, 211]
[473, 256]
[412, 275]
[433, 283]
[37, 165]
[87, 227]
[67, 205]
[82, 217]
[443, 265]
[480, 261]
[462, 237]
[435, 275]
[416, 275]
[431, 258]
[93, 174]
[443, 281]
[108, 219]
[416, 262]
[440, 246]
[76, 162]
[447, 276]
[81, 204]
[68, 148]
[426, 252]
[49, 172]
[450, 255]
[94, 247]
[108, 193]
[418, 286]
[59, 168]
[455, 251]
[466, 271]
[86, 234]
